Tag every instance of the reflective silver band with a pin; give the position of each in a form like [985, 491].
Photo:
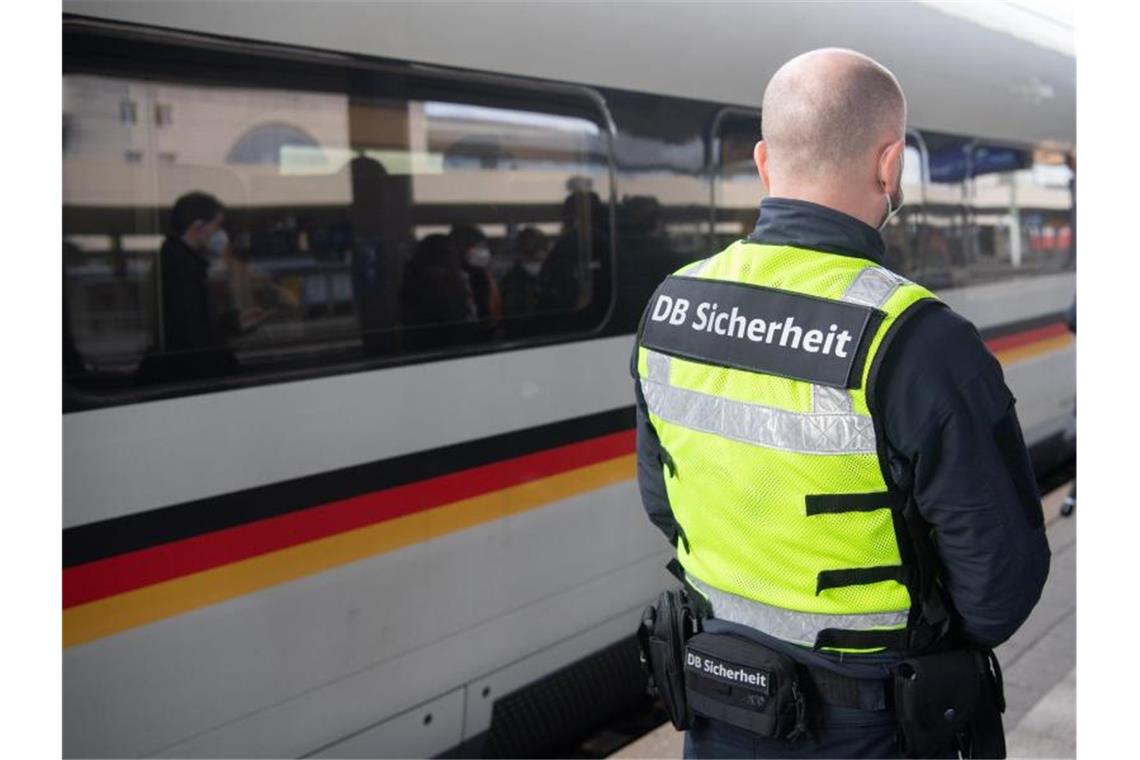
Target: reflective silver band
[872, 287]
[825, 399]
[806, 433]
[798, 627]
[695, 269]
[659, 364]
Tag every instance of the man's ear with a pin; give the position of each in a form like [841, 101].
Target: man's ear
[890, 167]
[760, 157]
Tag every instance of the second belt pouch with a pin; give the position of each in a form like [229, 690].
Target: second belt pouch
[948, 703]
[742, 683]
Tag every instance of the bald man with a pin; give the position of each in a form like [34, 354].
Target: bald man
[832, 451]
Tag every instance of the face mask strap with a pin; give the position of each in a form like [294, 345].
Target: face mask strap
[891, 211]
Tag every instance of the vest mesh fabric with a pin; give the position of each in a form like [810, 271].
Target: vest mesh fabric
[742, 505]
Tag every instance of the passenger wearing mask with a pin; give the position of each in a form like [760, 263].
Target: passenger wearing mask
[193, 331]
[475, 257]
[522, 286]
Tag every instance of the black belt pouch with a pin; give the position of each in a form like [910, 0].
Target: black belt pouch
[950, 703]
[664, 628]
[742, 683]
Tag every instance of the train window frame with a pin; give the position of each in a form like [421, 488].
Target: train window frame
[94, 51]
[714, 163]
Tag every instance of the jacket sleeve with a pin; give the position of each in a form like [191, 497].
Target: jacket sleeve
[955, 441]
[650, 470]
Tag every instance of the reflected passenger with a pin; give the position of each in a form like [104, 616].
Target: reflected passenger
[522, 286]
[565, 283]
[436, 299]
[193, 331]
[475, 256]
[645, 248]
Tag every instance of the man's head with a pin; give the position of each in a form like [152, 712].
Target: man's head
[197, 219]
[834, 124]
[532, 245]
[471, 244]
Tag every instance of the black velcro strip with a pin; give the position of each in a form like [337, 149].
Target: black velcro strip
[837, 638]
[826, 504]
[858, 576]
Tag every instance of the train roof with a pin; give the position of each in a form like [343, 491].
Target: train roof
[1000, 71]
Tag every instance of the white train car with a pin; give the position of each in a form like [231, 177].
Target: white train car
[365, 532]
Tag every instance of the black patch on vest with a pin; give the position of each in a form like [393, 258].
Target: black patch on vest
[758, 329]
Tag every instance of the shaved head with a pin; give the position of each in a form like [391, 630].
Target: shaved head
[828, 112]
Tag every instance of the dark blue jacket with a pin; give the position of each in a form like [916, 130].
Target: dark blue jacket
[953, 441]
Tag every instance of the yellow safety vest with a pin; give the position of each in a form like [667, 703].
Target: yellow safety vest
[754, 365]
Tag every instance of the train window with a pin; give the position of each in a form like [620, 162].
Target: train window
[992, 212]
[1023, 213]
[992, 176]
[317, 215]
[736, 186]
[902, 233]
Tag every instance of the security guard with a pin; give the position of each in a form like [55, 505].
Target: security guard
[833, 451]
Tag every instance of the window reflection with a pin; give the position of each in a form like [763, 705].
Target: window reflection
[982, 213]
[902, 234]
[358, 224]
[737, 190]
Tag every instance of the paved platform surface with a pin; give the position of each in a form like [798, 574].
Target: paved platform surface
[1039, 663]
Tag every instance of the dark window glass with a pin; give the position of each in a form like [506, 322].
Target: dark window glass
[736, 187]
[378, 215]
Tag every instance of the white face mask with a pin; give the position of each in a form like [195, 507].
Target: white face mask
[478, 257]
[533, 268]
[218, 242]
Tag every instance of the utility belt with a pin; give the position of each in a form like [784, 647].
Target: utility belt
[947, 704]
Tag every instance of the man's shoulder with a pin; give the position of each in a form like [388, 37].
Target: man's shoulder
[936, 354]
[936, 321]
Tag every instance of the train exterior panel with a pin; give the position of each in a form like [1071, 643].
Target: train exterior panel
[369, 537]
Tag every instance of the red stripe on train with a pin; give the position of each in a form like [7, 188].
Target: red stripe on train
[1007, 342]
[144, 567]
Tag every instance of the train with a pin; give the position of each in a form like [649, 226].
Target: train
[369, 535]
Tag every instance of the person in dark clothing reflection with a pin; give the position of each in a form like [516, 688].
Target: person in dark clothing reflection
[192, 331]
[567, 276]
[475, 258]
[521, 283]
[436, 301]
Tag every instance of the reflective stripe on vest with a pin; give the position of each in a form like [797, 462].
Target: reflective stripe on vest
[789, 625]
[812, 433]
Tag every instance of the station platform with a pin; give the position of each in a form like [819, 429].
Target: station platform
[1039, 663]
